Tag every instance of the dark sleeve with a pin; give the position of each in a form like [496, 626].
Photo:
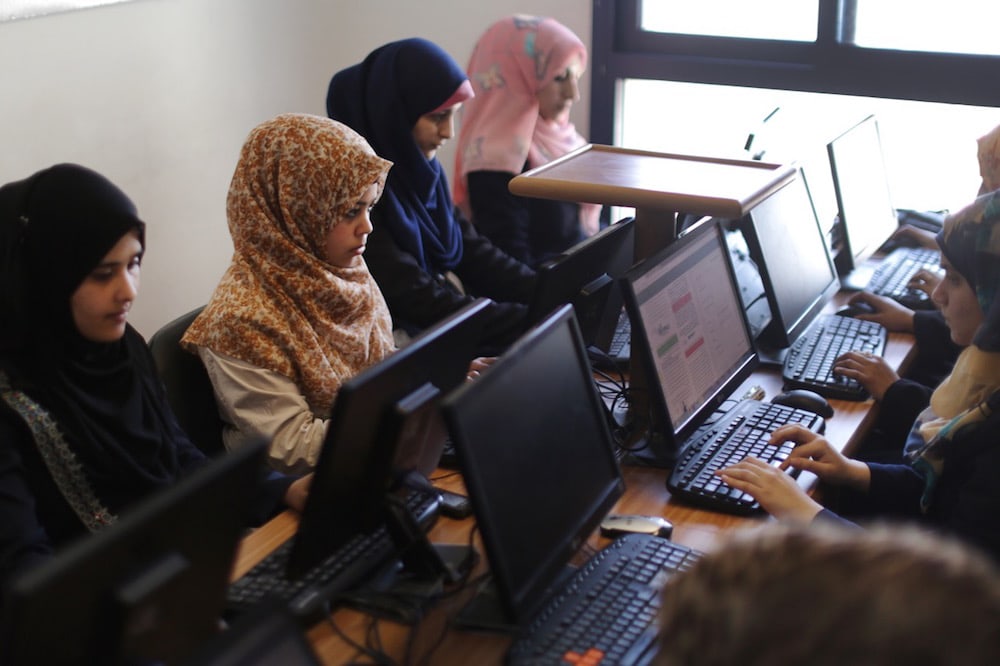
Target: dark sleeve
[418, 299]
[499, 215]
[828, 517]
[486, 270]
[529, 229]
[899, 408]
[271, 498]
[894, 490]
[24, 542]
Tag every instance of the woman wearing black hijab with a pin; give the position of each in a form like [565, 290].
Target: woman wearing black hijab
[403, 98]
[85, 428]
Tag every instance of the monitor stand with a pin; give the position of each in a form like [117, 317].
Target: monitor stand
[771, 356]
[409, 585]
[485, 611]
[858, 277]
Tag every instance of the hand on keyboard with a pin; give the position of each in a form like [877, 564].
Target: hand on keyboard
[925, 280]
[885, 311]
[777, 492]
[871, 371]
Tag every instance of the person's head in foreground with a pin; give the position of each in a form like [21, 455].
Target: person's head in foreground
[793, 595]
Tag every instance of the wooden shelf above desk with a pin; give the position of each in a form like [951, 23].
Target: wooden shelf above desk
[656, 181]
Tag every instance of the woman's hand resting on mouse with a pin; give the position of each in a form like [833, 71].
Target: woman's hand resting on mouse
[889, 313]
[777, 492]
[871, 371]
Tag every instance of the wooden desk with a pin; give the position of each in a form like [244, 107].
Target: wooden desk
[646, 493]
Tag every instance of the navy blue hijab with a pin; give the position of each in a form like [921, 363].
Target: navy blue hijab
[382, 98]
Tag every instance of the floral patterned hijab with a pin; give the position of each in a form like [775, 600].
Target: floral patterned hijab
[501, 128]
[281, 305]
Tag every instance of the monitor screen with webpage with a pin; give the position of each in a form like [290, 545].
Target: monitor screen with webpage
[787, 243]
[689, 329]
[861, 183]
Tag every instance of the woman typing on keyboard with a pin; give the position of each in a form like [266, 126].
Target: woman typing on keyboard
[951, 477]
[903, 399]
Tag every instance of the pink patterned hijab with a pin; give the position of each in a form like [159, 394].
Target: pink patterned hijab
[501, 128]
[280, 305]
[988, 149]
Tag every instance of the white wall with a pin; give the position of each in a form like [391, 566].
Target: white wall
[159, 95]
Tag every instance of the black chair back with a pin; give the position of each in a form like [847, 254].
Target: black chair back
[189, 390]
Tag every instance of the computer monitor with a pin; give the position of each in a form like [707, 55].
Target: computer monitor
[362, 460]
[265, 636]
[789, 247]
[150, 588]
[689, 331]
[584, 276]
[538, 463]
[861, 183]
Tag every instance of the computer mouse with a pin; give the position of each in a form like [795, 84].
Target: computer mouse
[855, 309]
[805, 399]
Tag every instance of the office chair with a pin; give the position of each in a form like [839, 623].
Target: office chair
[189, 390]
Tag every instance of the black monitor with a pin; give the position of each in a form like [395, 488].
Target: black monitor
[584, 276]
[364, 457]
[538, 463]
[267, 635]
[789, 247]
[689, 332]
[860, 181]
[150, 588]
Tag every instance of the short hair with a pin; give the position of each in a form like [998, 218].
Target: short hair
[820, 595]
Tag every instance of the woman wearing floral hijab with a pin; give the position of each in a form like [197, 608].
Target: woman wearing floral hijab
[952, 478]
[297, 312]
[524, 70]
[403, 98]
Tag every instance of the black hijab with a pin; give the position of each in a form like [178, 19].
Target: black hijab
[55, 228]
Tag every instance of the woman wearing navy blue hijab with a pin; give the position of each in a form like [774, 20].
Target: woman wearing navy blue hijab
[403, 98]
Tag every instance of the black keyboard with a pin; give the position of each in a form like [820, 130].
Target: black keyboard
[607, 611]
[740, 432]
[809, 363]
[621, 341]
[894, 272]
[348, 566]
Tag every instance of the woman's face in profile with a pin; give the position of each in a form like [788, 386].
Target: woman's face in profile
[556, 97]
[101, 303]
[957, 301]
[434, 129]
[347, 238]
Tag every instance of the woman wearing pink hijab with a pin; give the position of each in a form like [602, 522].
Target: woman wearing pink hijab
[525, 72]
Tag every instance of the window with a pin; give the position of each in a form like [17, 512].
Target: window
[700, 76]
[956, 26]
[733, 18]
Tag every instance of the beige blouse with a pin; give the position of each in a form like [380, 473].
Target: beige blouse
[254, 403]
